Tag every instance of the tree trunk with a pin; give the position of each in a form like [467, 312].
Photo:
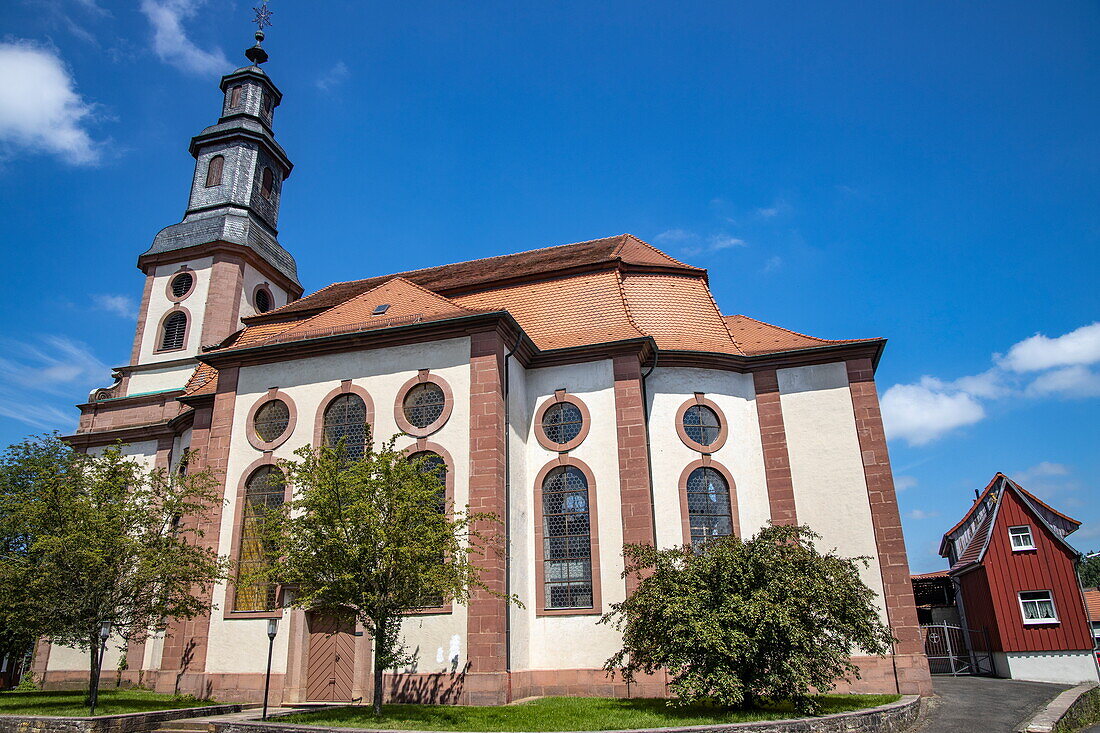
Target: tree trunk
[379, 636]
[93, 675]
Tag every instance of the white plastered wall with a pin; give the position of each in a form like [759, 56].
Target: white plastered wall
[71, 658]
[830, 488]
[543, 637]
[253, 277]
[242, 643]
[521, 514]
[159, 380]
[159, 304]
[668, 388]
[1066, 668]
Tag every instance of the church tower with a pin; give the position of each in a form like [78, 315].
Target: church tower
[223, 261]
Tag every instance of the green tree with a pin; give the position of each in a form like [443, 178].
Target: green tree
[1089, 570]
[104, 542]
[373, 538]
[737, 622]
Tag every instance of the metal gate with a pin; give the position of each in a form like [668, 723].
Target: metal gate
[956, 650]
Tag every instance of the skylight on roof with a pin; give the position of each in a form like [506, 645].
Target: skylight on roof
[380, 309]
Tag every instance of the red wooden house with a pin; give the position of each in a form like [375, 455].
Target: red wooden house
[1016, 579]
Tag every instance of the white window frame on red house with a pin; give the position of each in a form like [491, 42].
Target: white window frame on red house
[1052, 619]
[1013, 534]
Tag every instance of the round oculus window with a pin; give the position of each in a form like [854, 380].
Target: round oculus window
[181, 284]
[263, 301]
[271, 420]
[701, 424]
[424, 404]
[562, 422]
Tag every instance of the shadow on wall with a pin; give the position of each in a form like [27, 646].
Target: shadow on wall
[431, 689]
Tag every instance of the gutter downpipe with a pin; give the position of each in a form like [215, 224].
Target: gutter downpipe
[508, 524]
[648, 449]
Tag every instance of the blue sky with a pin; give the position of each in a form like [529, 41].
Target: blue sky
[927, 172]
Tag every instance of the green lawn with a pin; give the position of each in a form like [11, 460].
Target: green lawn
[111, 702]
[562, 714]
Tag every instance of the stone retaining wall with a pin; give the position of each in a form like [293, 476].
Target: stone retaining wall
[128, 723]
[893, 718]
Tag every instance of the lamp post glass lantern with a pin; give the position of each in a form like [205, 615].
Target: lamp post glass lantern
[272, 630]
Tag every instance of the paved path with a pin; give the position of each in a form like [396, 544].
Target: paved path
[983, 704]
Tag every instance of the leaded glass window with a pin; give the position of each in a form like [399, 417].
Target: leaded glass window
[701, 424]
[562, 422]
[567, 539]
[264, 492]
[433, 463]
[175, 329]
[271, 420]
[708, 500]
[424, 404]
[346, 418]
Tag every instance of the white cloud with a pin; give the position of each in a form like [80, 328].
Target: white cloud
[921, 514]
[919, 414]
[1079, 347]
[716, 243]
[171, 43]
[1074, 381]
[40, 381]
[770, 212]
[774, 263]
[120, 305]
[40, 109]
[674, 235]
[1044, 468]
[334, 77]
[901, 483]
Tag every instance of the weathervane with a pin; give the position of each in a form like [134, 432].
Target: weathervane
[263, 16]
[257, 54]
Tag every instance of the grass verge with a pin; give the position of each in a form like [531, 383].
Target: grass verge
[564, 714]
[111, 702]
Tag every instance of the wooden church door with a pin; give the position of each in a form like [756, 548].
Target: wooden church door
[331, 659]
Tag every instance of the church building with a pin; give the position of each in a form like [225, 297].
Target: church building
[590, 394]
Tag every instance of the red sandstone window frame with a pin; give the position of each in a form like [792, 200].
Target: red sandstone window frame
[699, 398]
[424, 375]
[685, 516]
[263, 287]
[250, 428]
[235, 548]
[593, 538]
[560, 395]
[421, 446]
[346, 387]
[184, 269]
[177, 308]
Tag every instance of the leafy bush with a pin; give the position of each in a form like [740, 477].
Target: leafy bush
[736, 622]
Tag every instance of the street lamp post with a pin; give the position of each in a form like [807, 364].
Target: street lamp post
[104, 634]
[272, 630]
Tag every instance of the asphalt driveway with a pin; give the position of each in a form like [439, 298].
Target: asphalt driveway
[982, 704]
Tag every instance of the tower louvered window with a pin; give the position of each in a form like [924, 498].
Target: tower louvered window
[567, 539]
[181, 284]
[263, 301]
[214, 171]
[346, 419]
[267, 183]
[175, 329]
[264, 492]
[708, 500]
[235, 96]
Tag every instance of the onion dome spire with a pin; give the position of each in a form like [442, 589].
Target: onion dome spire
[257, 54]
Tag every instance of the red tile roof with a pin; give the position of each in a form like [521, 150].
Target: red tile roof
[934, 575]
[1092, 604]
[756, 337]
[678, 312]
[484, 273]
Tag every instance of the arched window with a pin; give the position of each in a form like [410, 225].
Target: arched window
[433, 463]
[708, 505]
[175, 330]
[346, 418]
[214, 171]
[235, 96]
[567, 539]
[267, 182]
[264, 491]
